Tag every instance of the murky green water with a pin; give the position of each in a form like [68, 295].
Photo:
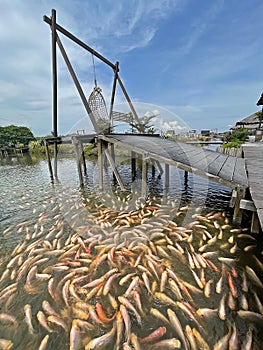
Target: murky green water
[70, 250]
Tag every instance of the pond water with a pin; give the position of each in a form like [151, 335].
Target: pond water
[88, 269]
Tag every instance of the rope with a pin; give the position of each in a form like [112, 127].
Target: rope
[94, 71]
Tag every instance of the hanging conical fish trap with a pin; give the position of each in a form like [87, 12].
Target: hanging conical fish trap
[98, 107]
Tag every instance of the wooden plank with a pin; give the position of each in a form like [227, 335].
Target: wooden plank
[239, 175]
[227, 170]
[215, 166]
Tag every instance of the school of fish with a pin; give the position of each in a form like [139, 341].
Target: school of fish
[112, 272]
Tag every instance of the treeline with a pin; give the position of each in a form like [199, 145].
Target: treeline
[13, 135]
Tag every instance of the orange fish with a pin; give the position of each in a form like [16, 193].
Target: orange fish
[101, 314]
[232, 286]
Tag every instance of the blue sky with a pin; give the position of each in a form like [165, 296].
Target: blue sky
[199, 63]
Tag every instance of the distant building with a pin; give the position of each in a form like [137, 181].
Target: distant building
[191, 133]
[170, 132]
[206, 133]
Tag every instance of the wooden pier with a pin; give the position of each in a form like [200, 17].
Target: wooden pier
[222, 168]
[253, 155]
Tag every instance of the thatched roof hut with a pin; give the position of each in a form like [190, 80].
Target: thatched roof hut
[252, 122]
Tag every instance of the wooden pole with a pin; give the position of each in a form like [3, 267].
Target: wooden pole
[112, 151]
[55, 87]
[237, 216]
[166, 178]
[83, 158]
[113, 92]
[130, 104]
[144, 177]
[133, 166]
[78, 159]
[153, 169]
[100, 164]
[79, 42]
[78, 86]
[48, 160]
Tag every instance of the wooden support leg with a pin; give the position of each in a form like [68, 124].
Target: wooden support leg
[83, 159]
[153, 169]
[144, 177]
[112, 152]
[78, 159]
[48, 160]
[166, 178]
[159, 168]
[237, 216]
[133, 165]
[113, 167]
[55, 160]
[255, 225]
[100, 164]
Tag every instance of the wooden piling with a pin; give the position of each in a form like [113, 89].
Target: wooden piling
[144, 177]
[237, 216]
[166, 178]
[133, 165]
[100, 164]
[48, 160]
[78, 158]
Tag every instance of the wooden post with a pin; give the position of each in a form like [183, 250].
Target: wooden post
[78, 158]
[112, 151]
[153, 169]
[144, 177]
[255, 225]
[48, 160]
[133, 165]
[159, 168]
[100, 164]
[166, 178]
[113, 93]
[83, 159]
[55, 88]
[237, 216]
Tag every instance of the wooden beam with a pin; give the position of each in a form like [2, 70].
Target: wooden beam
[133, 165]
[114, 168]
[166, 178]
[130, 104]
[237, 216]
[83, 158]
[54, 73]
[255, 224]
[100, 164]
[113, 93]
[78, 86]
[247, 205]
[79, 42]
[144, 177]
[48, 160]
[78, 159]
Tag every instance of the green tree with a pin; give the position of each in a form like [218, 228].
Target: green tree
[146, 122]
[14, 135]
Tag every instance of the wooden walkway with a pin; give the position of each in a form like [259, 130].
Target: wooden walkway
[218, 167]
[253, 154]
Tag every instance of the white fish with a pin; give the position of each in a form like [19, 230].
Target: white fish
[28, 318]
[98, 342]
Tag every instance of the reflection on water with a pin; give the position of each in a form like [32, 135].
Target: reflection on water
[82, 269]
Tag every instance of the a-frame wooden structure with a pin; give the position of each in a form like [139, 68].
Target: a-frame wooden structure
[55, 29]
